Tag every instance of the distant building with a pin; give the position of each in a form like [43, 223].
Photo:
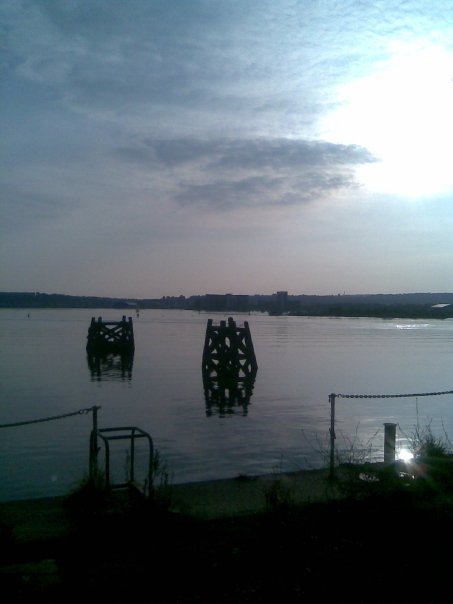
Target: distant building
[226, 302]
[280, 302]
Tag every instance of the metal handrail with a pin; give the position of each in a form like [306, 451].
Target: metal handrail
[133, 433]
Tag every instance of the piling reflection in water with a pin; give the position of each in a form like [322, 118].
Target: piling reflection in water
[229, 367]
[224, 397]
[110, 366]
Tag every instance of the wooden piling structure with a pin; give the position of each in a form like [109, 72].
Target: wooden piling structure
[229, 366]
[228, 351]
[110, 336]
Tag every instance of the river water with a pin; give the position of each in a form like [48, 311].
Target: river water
[284, 426]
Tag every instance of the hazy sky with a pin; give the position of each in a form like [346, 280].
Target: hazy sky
[170, 147]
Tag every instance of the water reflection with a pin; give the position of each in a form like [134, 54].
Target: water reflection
[223, 396]
[111, 366]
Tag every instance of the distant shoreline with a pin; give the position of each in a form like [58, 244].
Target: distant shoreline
[386, 306]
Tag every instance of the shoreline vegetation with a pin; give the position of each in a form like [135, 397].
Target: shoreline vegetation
[375, 534]
[386, 306]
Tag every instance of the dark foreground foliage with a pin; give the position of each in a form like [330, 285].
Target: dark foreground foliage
[387, 544]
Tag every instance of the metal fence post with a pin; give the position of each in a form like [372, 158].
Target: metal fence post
[332, 436]
[94, 444]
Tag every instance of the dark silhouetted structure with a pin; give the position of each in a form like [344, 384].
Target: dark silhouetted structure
[110, 336]
[229, 366]
[110, 349]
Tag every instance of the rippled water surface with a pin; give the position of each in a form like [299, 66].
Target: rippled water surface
[301, 360]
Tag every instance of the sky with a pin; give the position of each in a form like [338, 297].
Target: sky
[177, 147]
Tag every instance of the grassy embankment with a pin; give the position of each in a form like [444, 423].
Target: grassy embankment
[378, 535]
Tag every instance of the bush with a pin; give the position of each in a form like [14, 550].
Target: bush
[423, 443]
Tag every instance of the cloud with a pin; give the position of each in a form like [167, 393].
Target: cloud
[175, 66]
[109, 55]
[224, 174]
[24, 206]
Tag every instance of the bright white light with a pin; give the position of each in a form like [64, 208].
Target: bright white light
[405, 455]
[403, 114]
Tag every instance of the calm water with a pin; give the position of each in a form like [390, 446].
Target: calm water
[301, 360]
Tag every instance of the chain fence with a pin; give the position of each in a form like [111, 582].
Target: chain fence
[83, 411]
[393, 395]
[333, 397]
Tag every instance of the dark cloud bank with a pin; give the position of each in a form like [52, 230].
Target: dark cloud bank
[227, 174]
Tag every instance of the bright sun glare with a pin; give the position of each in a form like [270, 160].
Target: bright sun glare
[405, 455]
[403, 114]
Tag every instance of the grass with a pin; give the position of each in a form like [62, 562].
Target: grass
[90, 496]
[160, 491]
[338, 549]
[91, 499]
[359, 476]
[289, 552]
[278, 496]
[348, 449]
[423, 443]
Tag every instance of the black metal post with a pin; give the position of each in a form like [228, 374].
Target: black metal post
[332, 436]
[94, 444]
[132, 474]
